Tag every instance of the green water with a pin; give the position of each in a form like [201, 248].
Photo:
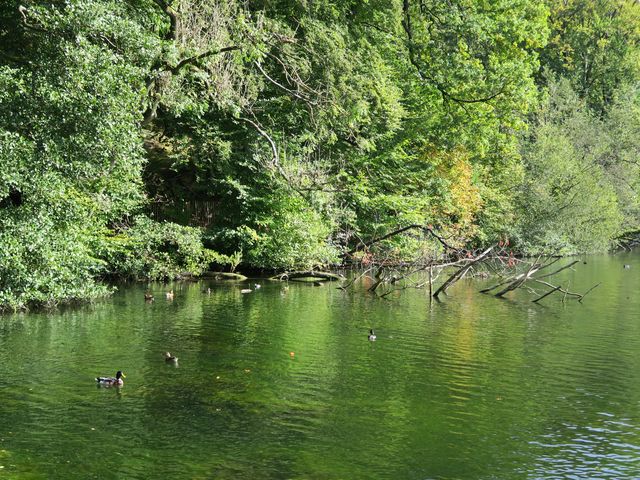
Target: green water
[470, 388]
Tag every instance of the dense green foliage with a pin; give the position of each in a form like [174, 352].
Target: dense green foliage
[152, 250]
[567, 200]
[310, 127]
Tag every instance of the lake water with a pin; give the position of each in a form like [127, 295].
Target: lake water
[470, 388]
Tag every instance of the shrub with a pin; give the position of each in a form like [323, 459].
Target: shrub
[154, 250]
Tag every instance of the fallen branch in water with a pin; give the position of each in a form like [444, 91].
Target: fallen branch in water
[546, 294]
[460, 273]
[520, 280]
[387, 276]
[223, 276]
[321, 276]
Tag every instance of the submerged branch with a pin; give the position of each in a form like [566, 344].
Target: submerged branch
[323, 276]
[520, 279]
[585, 293]
[546, 294]
[461, 272]
[566, 292]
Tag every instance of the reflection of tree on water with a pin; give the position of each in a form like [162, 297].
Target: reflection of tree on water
[471, 387]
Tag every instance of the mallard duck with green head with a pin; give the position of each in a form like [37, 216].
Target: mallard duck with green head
[112, 381]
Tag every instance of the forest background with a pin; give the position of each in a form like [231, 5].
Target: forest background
[148, 138]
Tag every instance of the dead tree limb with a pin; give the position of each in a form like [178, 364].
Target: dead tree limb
[487, 290]
[585, 293]
[546, 294]
[520, 279]
[379, 278]
[323, 276]
[351, 282]
[366, 244]
[458, 274]
[559, 270]
[272, 144]
[291, 92]
[566, 292]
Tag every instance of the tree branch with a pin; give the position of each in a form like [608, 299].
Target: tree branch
[363, 245]
[274, 151]
[191, 60]
[406, 24]
[521, 279]
[566, 292]
[559, 270]
[293, 93]
[267, 137]
[546, 294]
[172, 34]
[460, 273]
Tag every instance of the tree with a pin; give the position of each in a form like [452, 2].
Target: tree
[594, 43]
[567, 201]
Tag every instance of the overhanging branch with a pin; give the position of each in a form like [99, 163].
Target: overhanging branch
[424, 228]
[191, 60]
[413, 58]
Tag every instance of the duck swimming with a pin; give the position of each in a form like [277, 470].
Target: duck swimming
[170, 358]
[148, 296]
[112, 381]
[169, 295]
[372, 336]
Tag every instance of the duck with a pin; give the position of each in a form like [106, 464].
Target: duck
[170, 358]
[372, 336]
[627, 266]
[148, 296]
[169, 295]
[112, 381]
[256, 286]
[246, 290]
